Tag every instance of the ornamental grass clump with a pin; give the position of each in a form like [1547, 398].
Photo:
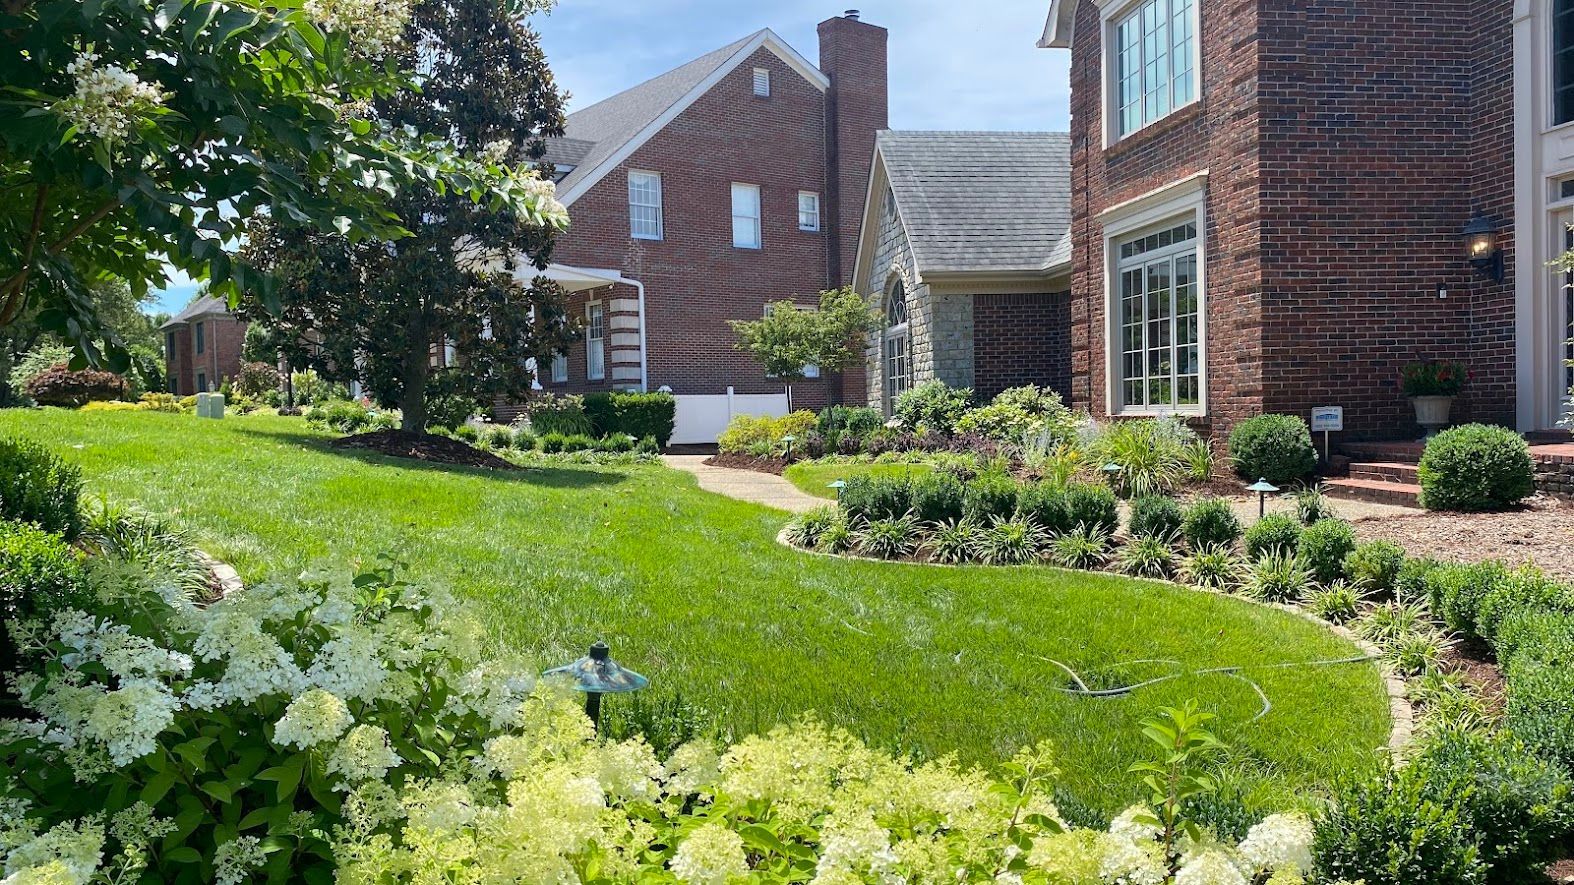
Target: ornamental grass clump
[1084, 547]
[1412, 654]
[893, 537]
[1151, 454]
[1211, 567]
[1277, 577]
[1148, 556]
[1015, 541]
[953, 542]
[1337, 603]
[805, 529]
[1388, 622]
[836, 536]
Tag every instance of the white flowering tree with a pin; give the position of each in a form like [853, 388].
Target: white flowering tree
[465, 284]
[137, 135]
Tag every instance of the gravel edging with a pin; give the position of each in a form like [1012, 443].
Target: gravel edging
[1401, 712]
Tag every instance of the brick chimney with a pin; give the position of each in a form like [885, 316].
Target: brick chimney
[853, 56]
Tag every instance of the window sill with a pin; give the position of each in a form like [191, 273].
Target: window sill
[1156, 129]
[1188, 415]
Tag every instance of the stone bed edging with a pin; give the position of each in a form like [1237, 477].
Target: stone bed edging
[224, 577]
[1400, 711]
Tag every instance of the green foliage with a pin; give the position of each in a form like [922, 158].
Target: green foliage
[1538, 711]
[1277, 448]
[1456, 591]
[1199, 461]
[41, 358]
[1537, 635]
[1093, 506]
[565, 415]
[1174, 777]
[469, 434]
[1210, 522]
[789, 338]
[1475, 467]
[1413, 654]
[1020, 413]
[988, 497]
[343, 416]
[1432, 379]
[1277, 577]
[871, 496]
[257, 379]
[1156, 516]
[747, 431]
[1311, 506]
[39, 575]
[1375, 566]
[1393, 828]
[1524, 589]
[837, 535]
[1147, 556]
[1323, 547]
[451, 410]
[953, 542]
[1045, 504]
[937, 497]
[1388, 622]
[1212, 567]
[61, 386]
[1011, 541]
[1274, 534]
[1411, 583]
[38, 487]
[498, 437]
[889, 537]
[933, 406]
[846, 427]
[1337, 603]
[1084, 547]
[804, 529]
[635, 414]
[1150, 452]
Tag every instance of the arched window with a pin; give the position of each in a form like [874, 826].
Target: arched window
[896, 346]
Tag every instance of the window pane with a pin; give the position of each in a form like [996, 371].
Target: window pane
[745, 216]
[645, 205]
[1160, 319]
[1154, 70]
[1563, 61]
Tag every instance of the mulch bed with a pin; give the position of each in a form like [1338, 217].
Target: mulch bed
[423, 447]
[773, 466]
[1540, 532]
[1472, 660]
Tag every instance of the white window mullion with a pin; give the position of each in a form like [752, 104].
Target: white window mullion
[645, 222]
[746, 216]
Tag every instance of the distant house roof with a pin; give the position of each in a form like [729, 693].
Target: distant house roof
[205, 305]
[978, 202]
[601, 136]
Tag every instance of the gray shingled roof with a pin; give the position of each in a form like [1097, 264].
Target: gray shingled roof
[597, 132]
[199, 307]
[982, 201]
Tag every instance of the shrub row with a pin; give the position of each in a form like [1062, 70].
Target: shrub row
[632, 414]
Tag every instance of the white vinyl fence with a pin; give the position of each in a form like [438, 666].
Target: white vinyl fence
[701, 419]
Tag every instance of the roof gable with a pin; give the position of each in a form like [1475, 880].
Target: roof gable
[599, 138]
[202, 306]
[1058, 29]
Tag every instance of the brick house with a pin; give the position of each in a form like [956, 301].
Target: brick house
[966, 249]
[700, 196]
[1270, 205]
[202, 346]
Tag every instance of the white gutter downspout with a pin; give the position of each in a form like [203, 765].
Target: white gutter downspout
[644, 345]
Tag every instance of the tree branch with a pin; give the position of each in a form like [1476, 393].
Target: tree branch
[13, 286]
[14, 300]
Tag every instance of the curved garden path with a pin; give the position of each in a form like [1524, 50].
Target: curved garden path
[745, 485]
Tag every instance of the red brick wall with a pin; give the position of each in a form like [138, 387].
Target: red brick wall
[695, 279]
[223, 338]
[1021, 339]
[1347, 143]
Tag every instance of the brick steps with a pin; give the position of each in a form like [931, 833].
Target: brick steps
[1382, 472]
[1404, 494]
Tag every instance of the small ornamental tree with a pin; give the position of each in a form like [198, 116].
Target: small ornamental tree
[789, 339]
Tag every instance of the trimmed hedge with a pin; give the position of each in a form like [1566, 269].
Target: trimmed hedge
[1156, 516]
[1045, 503]
[1277, 448]
[1476, 467]
[1210, 522]
[1323, 548]
[1094, 507]
[1274, 534]
[989, 497]
[636, 414]
[937, 497]
[876, 497]
[39, 488]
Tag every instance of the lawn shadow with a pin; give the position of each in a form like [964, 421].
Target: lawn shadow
[564, 477]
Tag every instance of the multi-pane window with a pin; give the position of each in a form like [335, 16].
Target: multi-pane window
[1155, 62]
[596, 342]
[808, 210]
[1562, 61]
[200, 338]
[1160, 321]
[560, 369]
[746, 216]
[762, 82]
[896, 347]
[645, 205]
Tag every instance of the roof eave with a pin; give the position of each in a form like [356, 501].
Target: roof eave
[1061, 24]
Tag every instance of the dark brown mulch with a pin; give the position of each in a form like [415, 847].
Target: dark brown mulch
[774, 466]
[423, 447]
[1472, 660]
[1541, 531]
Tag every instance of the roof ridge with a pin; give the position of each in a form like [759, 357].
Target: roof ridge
[734, 46]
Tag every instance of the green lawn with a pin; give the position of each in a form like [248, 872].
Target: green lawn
[815, 479]
[693, 590]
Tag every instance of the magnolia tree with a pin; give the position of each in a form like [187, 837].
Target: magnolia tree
[789, 339]
[467, 283]
[139, 135]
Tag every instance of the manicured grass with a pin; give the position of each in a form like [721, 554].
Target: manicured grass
[815, 479]
[693, 590]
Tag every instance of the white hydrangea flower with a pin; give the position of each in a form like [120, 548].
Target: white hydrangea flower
[363, 755]
[692, 767]
[256, 664]
[1210, 868]
[108, 99]
[628, 770]
[711, 855]
[373, 26]
[1281, 840]
[1135, 824]
[439, 807]
[53, 873]
[234, 860]
[855, 844]
[1125, 861]
[350, 666]
[128, 720]
[311, 719]
[78, 847]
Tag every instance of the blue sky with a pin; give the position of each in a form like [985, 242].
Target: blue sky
[967, 65]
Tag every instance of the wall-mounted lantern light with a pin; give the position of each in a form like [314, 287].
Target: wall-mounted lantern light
[1482, 248]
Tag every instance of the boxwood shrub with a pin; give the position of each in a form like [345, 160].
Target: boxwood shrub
[1277, 448]
[1375, 565]
[1093, 507]
[38, 487]
[39, 575]
[990, 496]
[1274, 534]
[1476, 467]
[868, 496]
[1045, 504]
[937, 497]
[632, 414]
[1323, 548]
[1210, 523]
[1156, 516]
[1455, 592]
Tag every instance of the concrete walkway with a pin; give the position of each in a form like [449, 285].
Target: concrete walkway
[745, 485]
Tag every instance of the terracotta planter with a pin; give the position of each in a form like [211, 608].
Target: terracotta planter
[1432, 412]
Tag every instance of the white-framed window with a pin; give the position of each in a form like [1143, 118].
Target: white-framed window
[746, 216]
[896, 346]
[1152, 53]
[560, 369]
[808, 211]
[762, 82]
[596, 341]
[1562, 61]
[645, 205]
[1158, 290]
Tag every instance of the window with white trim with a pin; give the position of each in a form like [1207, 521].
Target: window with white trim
[1159, 319]
[1562, 61]
[762, 82]
[808, 211]
[896, 346]
[560, 368]
[645, 206]
[1154, 50]
[746, 216]
[595, 342]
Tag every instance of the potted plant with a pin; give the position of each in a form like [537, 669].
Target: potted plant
[1432, 387]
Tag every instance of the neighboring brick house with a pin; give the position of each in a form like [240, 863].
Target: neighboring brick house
[966, 251]
[704, 194]
[202, 346]
[1270, 203]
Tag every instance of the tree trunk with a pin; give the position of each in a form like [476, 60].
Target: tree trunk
[412, 399]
